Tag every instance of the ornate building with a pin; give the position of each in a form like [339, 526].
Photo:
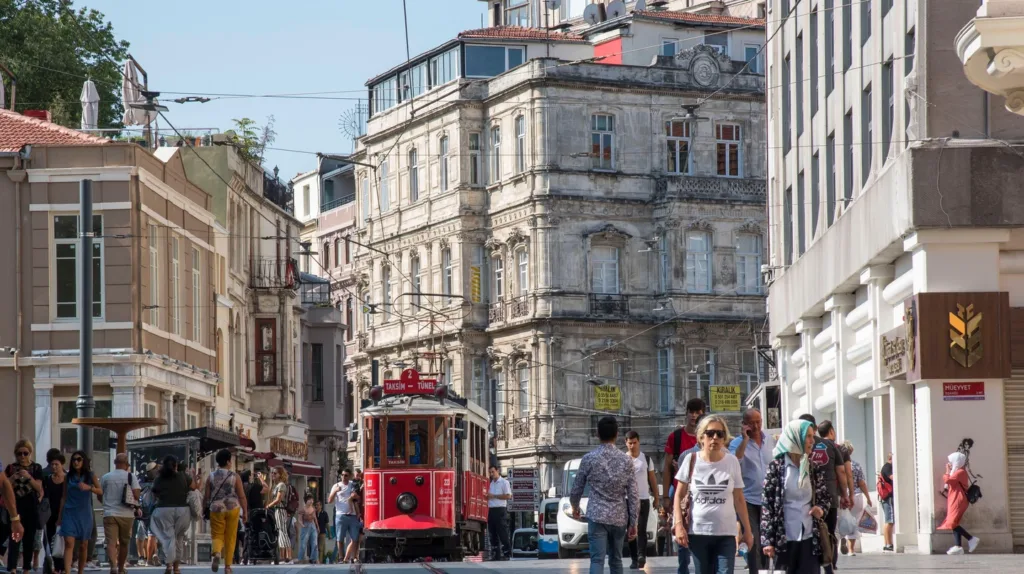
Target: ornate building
[555, 237]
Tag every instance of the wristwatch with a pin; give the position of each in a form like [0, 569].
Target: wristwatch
[16, 518]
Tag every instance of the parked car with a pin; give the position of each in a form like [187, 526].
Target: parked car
[572, 533]
[547, 528]
[524, 543]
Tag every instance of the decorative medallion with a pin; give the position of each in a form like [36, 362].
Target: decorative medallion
[965, 336]
[704, 70]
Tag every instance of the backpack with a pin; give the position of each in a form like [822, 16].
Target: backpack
[884, 488]
[147, 500]
[292, 506]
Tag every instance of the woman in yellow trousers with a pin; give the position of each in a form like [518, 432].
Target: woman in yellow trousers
[227, 502]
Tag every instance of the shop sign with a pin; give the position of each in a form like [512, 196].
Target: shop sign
[525, 483]
[290, 448]
[895, 354]
[409, 383]
[608, 398]
[725, 398]
[963, 391]
[954, 336]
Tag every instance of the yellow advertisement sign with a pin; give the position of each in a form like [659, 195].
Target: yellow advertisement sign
[474, 284]
[725, 398]
[608, 398]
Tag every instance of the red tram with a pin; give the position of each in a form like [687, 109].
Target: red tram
[425, 468]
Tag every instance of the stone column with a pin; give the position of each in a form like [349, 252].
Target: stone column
[167, 410]
[849, 410]
[784, 347]
[807, 328]
[44, 417]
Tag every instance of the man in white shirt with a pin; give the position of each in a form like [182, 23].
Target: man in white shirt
[346, 523]
[118, 517]
[499, 492]
[646, 484]
[754, 451]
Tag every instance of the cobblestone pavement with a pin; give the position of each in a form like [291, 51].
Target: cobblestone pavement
[861, 564]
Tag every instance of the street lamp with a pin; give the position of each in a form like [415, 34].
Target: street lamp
[691, 115]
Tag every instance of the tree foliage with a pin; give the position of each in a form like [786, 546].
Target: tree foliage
[52, 50]
[252, 140]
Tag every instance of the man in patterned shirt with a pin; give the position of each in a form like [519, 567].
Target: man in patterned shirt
[614, 501]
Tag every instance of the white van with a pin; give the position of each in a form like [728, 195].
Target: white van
[572, 533]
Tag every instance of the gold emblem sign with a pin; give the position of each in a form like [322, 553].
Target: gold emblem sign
[965, 336]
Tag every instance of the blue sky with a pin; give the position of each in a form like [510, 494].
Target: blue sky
[264, 47]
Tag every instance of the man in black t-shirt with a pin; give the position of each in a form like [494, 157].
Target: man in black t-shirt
[832, 460]
[255, 487]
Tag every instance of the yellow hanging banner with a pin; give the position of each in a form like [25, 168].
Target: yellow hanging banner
[474, 284]
[725, 398]
[608, 398]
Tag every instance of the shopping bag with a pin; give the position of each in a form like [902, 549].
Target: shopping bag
[771, 569]
[847, 525]
[57, 546]
[867, 523]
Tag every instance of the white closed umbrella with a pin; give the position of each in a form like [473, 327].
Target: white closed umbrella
[2, 103]
[130, 95]
[90, 106]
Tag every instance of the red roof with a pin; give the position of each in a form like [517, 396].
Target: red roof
[519, 33]
[17, 131]
[701, 18]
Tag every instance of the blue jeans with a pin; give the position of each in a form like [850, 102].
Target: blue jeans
[713, 554]
[346, 526]
[605, 539]
[308, 542]
[683, 553]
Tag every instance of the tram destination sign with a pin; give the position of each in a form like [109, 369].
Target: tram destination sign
[525, 483]
[409, 383]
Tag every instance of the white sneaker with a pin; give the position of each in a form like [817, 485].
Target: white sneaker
[955, 550]
[973, 543]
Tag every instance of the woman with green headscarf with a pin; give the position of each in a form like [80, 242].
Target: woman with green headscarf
[791, 483]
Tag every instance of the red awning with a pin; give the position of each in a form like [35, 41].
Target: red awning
[304, 468]
[292, 466]
[246, 443]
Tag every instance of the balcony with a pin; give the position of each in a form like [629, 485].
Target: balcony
[273, 273]
[712, 188]
[496, 312]
[314, 291]
[330, 204]
[609, 305]
[519, 307]
[991, 47]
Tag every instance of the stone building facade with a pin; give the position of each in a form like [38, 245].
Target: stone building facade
[557, 243]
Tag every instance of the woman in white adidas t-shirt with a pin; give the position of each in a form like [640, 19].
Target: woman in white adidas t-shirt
[714, 483]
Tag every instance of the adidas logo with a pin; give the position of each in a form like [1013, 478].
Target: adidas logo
[712, 486]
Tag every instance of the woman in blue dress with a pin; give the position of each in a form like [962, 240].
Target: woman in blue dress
[75, 519]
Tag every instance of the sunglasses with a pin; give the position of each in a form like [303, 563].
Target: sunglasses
[23, 453]
[714, 434]
[76, 459]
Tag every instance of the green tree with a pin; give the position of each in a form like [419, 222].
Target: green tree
[52, 49]
[252, 140]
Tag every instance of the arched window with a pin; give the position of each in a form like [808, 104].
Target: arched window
[349, 318]
[698, 261]
[337, 253]
[414, 176]
[443, 145]
[523, 266]
[385, 192]
[367, 314]
[446, 273]
[417, 282]
[520, 144]
[326, 258]
[495, 164]
[748, 264]
[523, 379]
[499, 279]
[386, 281]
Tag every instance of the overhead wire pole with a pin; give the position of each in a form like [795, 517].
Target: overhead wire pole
[86, 404]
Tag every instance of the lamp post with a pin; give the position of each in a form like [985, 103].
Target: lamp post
[86, 404]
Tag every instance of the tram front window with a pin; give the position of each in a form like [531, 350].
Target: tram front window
[439, 443]
[396, 442]
[419, 434]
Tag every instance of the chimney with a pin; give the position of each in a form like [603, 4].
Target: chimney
[38, 114]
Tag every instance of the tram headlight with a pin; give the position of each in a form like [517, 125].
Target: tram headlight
[406, 502]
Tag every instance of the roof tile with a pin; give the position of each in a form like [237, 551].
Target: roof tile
[17, 131]
[701, 18]
[520, 33]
